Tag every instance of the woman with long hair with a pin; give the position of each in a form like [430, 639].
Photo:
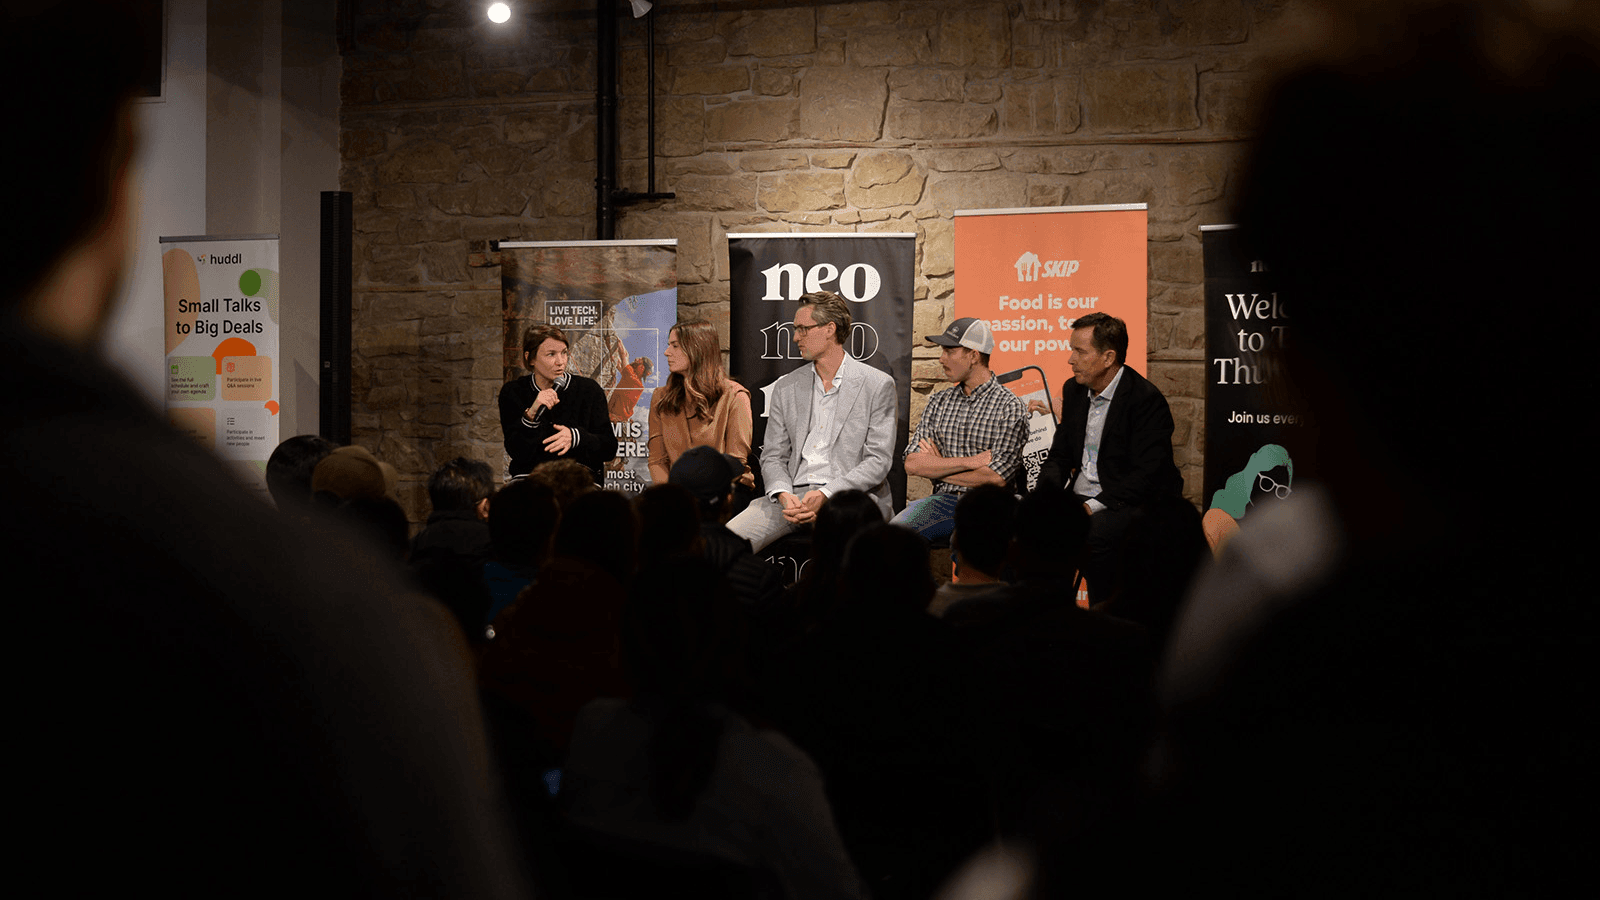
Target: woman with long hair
[699, 404]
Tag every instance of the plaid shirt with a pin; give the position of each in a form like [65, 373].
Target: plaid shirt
[960, 424]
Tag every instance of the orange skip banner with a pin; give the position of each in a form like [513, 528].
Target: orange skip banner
[1030, 273]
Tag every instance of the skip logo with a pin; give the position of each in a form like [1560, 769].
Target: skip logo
[1031, 268]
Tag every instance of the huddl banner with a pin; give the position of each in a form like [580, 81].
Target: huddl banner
[615, 301]
[222, 346]
[1260, 440]
[1031, 273]
[874, 273]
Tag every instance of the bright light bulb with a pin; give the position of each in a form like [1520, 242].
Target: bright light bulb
[499, 13]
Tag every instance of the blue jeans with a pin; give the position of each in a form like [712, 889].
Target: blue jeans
[932, 517]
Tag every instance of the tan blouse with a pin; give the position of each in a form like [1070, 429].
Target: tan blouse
[727, 431]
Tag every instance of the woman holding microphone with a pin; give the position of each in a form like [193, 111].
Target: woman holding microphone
[553, 413]
[699, 403]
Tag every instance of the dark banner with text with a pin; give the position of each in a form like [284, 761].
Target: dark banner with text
[1260, 440]
[615, 301]
[874, 273]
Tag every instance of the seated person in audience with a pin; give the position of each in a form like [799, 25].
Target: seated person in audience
[978, 546]
[289, 471]
[242, 706]
[677, 767]
[522, 519]
[969, 434]
[459, 491]
[710, 477]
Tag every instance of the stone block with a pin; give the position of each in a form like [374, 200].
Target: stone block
[700, 53]
[395, 197]
[833, 159]
[568, 197]
[983, 91]
[1042, 107]
[774, 82]
[548, 81]
[498, 82]
[940, 121]
[421, 161]
[1179, 378]
[1208, 22]
[390, 265]
[1179, 261]
[983, 190]
[700, 165]
[771, 32]
[962, 160]
[840, 104]
[388, 339]
[885, 178]
[702, 192]
[847, 17]
[1146, 99]
[1112, 187]
[1051, 10]
[536, 127]
[710, 79]
[889, 48]
[802, 192]
[1047, 193]
[445, 263]
[771, 121]
[680, 127]
[1230, 104]
[976, 34]
[691, 232]
[776, 161]
[480, 198]
[927, 84]
[1195, 178]
[429, 77]
[357, 143]
[938, 247]
[416, 230]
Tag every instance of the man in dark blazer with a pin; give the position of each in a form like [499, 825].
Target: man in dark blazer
[1127, 427]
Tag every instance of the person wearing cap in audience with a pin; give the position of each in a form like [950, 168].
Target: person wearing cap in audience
[969, 434]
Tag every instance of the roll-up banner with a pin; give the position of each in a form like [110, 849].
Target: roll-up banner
[1260, 440]
[222, 346]
[1030, 273]
[874, 273]
[616, 301]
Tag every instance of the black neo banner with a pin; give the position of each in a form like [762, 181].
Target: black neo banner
[1260, 441]
[874, 273]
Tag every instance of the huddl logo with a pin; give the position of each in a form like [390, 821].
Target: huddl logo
[1031, 268]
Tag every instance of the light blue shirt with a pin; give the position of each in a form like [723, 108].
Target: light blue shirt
[1088, 483]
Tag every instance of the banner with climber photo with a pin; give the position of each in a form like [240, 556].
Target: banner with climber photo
[1030, 273]
[615, 301]
[222, 360]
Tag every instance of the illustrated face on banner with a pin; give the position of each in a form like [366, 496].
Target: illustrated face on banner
[549, 362]
[1090, 367]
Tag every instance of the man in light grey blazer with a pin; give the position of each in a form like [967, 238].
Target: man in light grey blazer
[830, 428]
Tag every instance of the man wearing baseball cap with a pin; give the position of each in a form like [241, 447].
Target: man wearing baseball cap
[970, 434]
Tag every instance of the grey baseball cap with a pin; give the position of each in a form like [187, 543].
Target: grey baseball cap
[966, 332]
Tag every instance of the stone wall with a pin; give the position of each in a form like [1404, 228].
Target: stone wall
[771, 116]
